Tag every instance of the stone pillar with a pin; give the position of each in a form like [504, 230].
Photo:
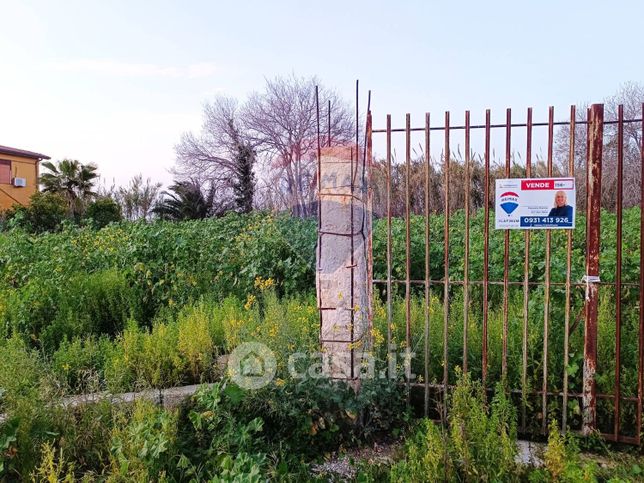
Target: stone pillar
[343, 254]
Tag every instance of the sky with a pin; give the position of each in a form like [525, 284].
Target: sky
[117, 82]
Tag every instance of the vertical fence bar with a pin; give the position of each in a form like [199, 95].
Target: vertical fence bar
[640, 358]
[486, 239]
[319, 185]
[427, 273]
[355, 157]
[546, 299]
[328, 125]
[618, 268]
[506, 250]
[593, 207]
[367, 189]
[446, 267]
[389, 295]
[408, 241]
[466, 262]
[571, 173]
[526, 280]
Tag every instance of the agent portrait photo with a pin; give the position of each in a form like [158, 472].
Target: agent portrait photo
[561, 208]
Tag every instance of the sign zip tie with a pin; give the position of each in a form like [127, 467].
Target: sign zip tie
[588, 279]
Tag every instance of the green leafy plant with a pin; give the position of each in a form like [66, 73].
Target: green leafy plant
[103, 211]
[53, 467]
[143, 443]
[45, 213]
[562, 461]
[479, 443]
[26, 390]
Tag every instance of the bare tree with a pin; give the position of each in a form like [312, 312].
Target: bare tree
[631, 96]
[281, 123]
[221, 155]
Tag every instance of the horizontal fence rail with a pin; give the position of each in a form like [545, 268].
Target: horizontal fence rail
[555, 338]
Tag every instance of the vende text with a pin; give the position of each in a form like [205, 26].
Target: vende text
[542, 184]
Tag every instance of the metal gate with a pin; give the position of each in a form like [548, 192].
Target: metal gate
[551, 366]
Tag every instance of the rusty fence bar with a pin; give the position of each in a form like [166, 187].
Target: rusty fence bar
[640, 358]
[466, 261]
[504, 126]
[368, 163]
[354, 169]
[408, 239]
[486, 246]
[506, 252]
[540, 383]
[546, 290]
[427, 273]
[618, 268]
[446, 266]
[526, 284]
[389, 251]
[593, 208]
[319, 208]
[328, 125]
[501, 283]
[571, 173]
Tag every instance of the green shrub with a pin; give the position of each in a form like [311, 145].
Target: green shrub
[482, 438]
[26, 391]
[245, 467]
[84, 435]
[79, 363]
[160, 363]
[479, 443]
[102, 212]
[91, 304]
[46, 212]
[141, 359]
[30, 309]
[311, 415]
[212, 433]
[143, 444]
[561, 460]
[46, 312]
[100, 299]
[121, 360]
[195, 341]
[53, 467]
[426, 457]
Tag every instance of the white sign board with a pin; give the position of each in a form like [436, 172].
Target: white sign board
[535, 203]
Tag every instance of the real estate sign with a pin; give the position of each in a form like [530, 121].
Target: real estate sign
[535, 203]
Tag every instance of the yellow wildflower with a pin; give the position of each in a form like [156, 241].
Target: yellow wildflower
[355, 345]
[264, 284]
[378, 338]
[249, 302]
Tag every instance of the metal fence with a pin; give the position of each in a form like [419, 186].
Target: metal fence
[536, 400]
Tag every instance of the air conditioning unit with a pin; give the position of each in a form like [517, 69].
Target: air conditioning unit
[20, 182]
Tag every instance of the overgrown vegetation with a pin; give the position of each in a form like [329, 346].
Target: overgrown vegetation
[139, 305]
[479, 443]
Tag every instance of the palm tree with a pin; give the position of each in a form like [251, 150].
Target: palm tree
[72, 180]
[184, 200]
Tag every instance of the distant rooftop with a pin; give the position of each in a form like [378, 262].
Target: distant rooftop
[22, 152]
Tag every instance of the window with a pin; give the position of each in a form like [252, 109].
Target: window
[5, 171]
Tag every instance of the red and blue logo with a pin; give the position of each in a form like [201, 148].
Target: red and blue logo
[509, 201]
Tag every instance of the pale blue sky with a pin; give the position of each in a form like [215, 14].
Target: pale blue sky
[117, 82]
